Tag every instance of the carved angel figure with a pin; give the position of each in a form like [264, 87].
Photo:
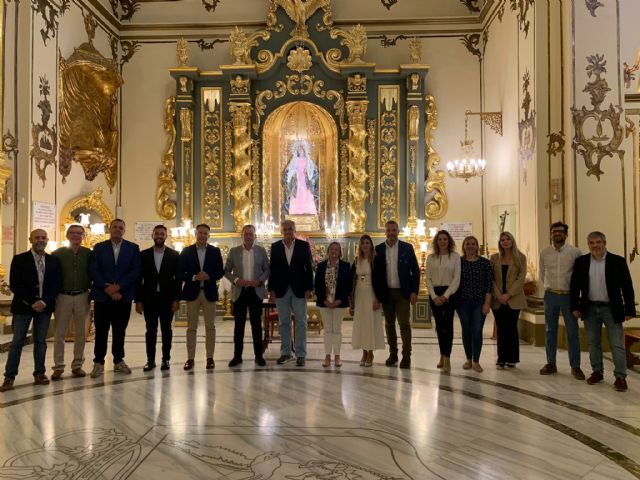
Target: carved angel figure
[300, 11]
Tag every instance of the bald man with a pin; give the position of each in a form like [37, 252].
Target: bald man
[35, 280]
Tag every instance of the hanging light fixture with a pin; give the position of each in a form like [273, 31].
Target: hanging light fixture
[467, 166]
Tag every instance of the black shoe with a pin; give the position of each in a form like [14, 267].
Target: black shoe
[406, 362]
[284, 359]
[260, 361]
[235, 361]
[300, 362]
[164, 365]
[392, 360]
[210, 364]
[149, 366]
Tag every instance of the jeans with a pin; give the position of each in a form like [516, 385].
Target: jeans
[20, 324]
[115, 316]
[472, 322]
[594, 317]
[397, 307]
[555, 303]
[286, 305]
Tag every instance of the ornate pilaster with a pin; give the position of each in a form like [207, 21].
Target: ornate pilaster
[388, 125]
[436, 202]
[4, 170]
[211, 157]
[357, 113]
[241, 173]
[165, 194]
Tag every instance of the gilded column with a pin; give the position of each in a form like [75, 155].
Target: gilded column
[357, 112]
[241, 172]
[4, 170]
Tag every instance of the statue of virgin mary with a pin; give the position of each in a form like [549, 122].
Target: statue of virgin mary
[301, 181]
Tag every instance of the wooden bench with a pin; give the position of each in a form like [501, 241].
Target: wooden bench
[630, 337]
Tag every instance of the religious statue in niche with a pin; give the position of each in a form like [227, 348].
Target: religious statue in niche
[301, 182]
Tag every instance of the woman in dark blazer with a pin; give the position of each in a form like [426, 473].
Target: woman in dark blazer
[333, 287]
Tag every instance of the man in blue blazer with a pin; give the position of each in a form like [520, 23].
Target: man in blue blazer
[200, 267]
[400, 266]
[35, 281]
[114, 268]
[291, 284]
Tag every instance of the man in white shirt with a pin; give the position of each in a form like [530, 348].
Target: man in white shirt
[556, 267]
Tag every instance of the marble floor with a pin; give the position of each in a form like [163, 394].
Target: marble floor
[315, 423]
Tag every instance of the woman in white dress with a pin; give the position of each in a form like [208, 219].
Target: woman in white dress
[368, 330]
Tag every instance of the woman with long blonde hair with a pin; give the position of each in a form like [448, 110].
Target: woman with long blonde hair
[509, 267]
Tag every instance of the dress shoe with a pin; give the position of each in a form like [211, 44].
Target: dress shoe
[500, 366]
[78, 373]
[260, 361]
[57, 375]
[210, 364]
[188, 365]
[549, 369]
[300, 362]
[406, 362]
[476, 367]
[40, 379]
[466, 365]
[7, 385]
[98, 369]
[164, 365]
[510, 365]
[338, 362]
[122, 367]
[620, 385]
[284, 359]
[235, 361]
[327, 362]
[392, 360]
[595, 377]
[149, 366]
[440, 362]
[577, 373]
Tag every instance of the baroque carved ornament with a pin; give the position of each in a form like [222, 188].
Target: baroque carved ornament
[44, 138]
[50, 14]
[165, 193]
[523, 7]
[592, 6]
[299, 60]
[299, 11]
[609, 132]
[472, 5]
[210, 5]
[527, 127]
[436, 202]
[124, 9]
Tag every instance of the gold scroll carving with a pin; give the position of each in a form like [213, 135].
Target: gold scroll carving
[165, 203]
[355, 41]
[182, 52]
[389, 184]
[371, 163]
[299, 11]
[89, 111]
[240, 45]
[357, 112]
[436, 202]
[212, 157]
[241, 118]
[92, 204]
[228, 164]
[344, 177]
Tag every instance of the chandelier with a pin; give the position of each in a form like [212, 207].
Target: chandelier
[183, 236]
[467, 166]
[334, 232]
[266, 230]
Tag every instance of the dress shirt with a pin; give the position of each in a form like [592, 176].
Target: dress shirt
[597, 280]
[288, 251]
[75, 268]
[157, 258]
[443, 271]
[116, 250]
[39, 259]
[202, 252]
[248, 262]
[556, 266]
[391, 258]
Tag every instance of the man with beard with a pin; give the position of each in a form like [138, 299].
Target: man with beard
[157, 295]
[35, 281]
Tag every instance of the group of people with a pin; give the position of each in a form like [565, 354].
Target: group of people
[382, 282]
[116, 273]
[595, 287]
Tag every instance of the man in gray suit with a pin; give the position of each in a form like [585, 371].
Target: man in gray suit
[247, 268]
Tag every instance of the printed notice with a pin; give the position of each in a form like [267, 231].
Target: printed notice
[43, 215]
[144, 231]
[458, 230]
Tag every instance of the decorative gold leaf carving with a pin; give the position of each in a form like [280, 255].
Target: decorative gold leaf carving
[182, 52]
[212, 163]
[299, 11]
[241, 118]
[299, 60]
[357, 111]
[436, 202]
[355, 40]
[389, 124]
[240, 45]
[371, 143]
[165, 202]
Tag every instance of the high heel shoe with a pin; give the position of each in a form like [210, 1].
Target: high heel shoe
[327, 362]
[441, 362]
[369, 361]
[466, 365]
[363, 359]
[446, 365]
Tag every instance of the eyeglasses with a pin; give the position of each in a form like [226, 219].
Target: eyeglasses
[557, 231]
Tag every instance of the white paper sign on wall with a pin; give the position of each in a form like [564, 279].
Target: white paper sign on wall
[144, 231]
[43, 215]
[458, 230]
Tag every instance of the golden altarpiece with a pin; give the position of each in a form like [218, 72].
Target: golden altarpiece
[299, 125]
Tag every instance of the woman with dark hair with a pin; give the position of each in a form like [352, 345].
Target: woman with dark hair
[332, 287]
[509, 271]
[369, 284]
[473, 300]
[443, 278]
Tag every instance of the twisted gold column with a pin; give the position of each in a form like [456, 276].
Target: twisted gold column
[241, 118]
[357, 112]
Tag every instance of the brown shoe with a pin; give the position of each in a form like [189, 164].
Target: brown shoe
[548, 369]
[620, 385]
[78, 373]
[57, 375]
[7, 385]
[40, 379]
[595, 377]
[210, 364]
[188, 365]
[577, 373]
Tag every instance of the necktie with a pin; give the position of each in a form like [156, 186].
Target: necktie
[40, 268]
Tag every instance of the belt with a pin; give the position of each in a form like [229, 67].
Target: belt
[557, 292]
[599, 304]
[73, 293]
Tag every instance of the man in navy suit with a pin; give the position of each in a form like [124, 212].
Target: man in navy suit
[35, 280]
[291, 284]
[399, 262]
[157, 295]
[115, 268]
[200, 268]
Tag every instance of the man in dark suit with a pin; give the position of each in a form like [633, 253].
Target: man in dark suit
[115, 268]
[200, 268]
[157, 295]
[35, 280]
[400, 265]
[602, 293]
[291, 284]
[247, 269]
